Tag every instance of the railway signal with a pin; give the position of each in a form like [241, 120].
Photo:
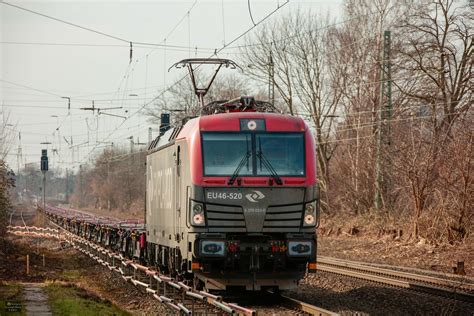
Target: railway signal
[44, 168]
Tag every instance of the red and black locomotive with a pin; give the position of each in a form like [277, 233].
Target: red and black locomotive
[232, 198]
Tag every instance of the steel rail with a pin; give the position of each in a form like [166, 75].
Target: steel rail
[305, 307]
[467, 284]
[111, 259]
[169, 293]
[422, 283]
[128, 271]
[160, 286]
[33, 231]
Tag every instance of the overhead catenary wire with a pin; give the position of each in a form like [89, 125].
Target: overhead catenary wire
[252, 27]
[129, 71]
[337, 140]
[29, 88]
[250, 12]
[223, 22]
[121, 39]
[130, 89]
[178, 48]
[226, 46]
[182, 78]
[163, 42]
[147, 55]
[299, 33]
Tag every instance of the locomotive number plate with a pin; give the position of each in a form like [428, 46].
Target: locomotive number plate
[224, 195]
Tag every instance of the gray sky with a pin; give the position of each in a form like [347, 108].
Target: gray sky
[35, 76]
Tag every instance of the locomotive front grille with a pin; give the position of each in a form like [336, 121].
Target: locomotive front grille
[222, 218]
[283, 218]
[254, 210]
[227, 218]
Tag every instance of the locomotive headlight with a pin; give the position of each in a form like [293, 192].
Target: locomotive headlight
[197, 209]
[310, 214]
[197, 217]
[309, 219]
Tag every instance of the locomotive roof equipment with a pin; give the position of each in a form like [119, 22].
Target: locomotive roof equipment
[202, 91]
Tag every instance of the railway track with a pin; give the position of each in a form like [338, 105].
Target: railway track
[178, 297]
[269, 302]
[454, 289]
[301, 307]
[32, 231]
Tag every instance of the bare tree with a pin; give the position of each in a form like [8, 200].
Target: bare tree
[439, 57]
[6, 176]
[293, 56]
[116, 180]
[268, 58]
[354, 63]
[7, 134]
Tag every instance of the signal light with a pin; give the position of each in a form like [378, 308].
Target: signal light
[195, 265]
[275, 248]
[278, 246]
[232, 247]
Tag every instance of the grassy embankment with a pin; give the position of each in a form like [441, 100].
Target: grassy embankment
[11, 293]
[71, 300]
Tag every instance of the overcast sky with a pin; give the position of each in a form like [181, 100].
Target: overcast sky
[43, 60]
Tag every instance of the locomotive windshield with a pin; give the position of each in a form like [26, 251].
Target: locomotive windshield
[258, 152]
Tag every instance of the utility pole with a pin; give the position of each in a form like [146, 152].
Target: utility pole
[108, 184]
[68, 104]
[19, 162]
[67, 185]
[384, 117]
[131, 144]
[70, 125]
[271, 79]
[80, 185]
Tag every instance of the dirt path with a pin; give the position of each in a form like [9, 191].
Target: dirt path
[35, 299]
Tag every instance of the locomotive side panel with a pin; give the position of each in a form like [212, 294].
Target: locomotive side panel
[161, 196]
[184, 191]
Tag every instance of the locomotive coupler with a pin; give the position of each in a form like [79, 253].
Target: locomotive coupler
[255, 259]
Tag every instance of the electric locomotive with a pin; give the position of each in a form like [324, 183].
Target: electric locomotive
[232, 199]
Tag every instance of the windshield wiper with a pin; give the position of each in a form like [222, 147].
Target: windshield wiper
[237, 170]
[244, 159]
[267, 164]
